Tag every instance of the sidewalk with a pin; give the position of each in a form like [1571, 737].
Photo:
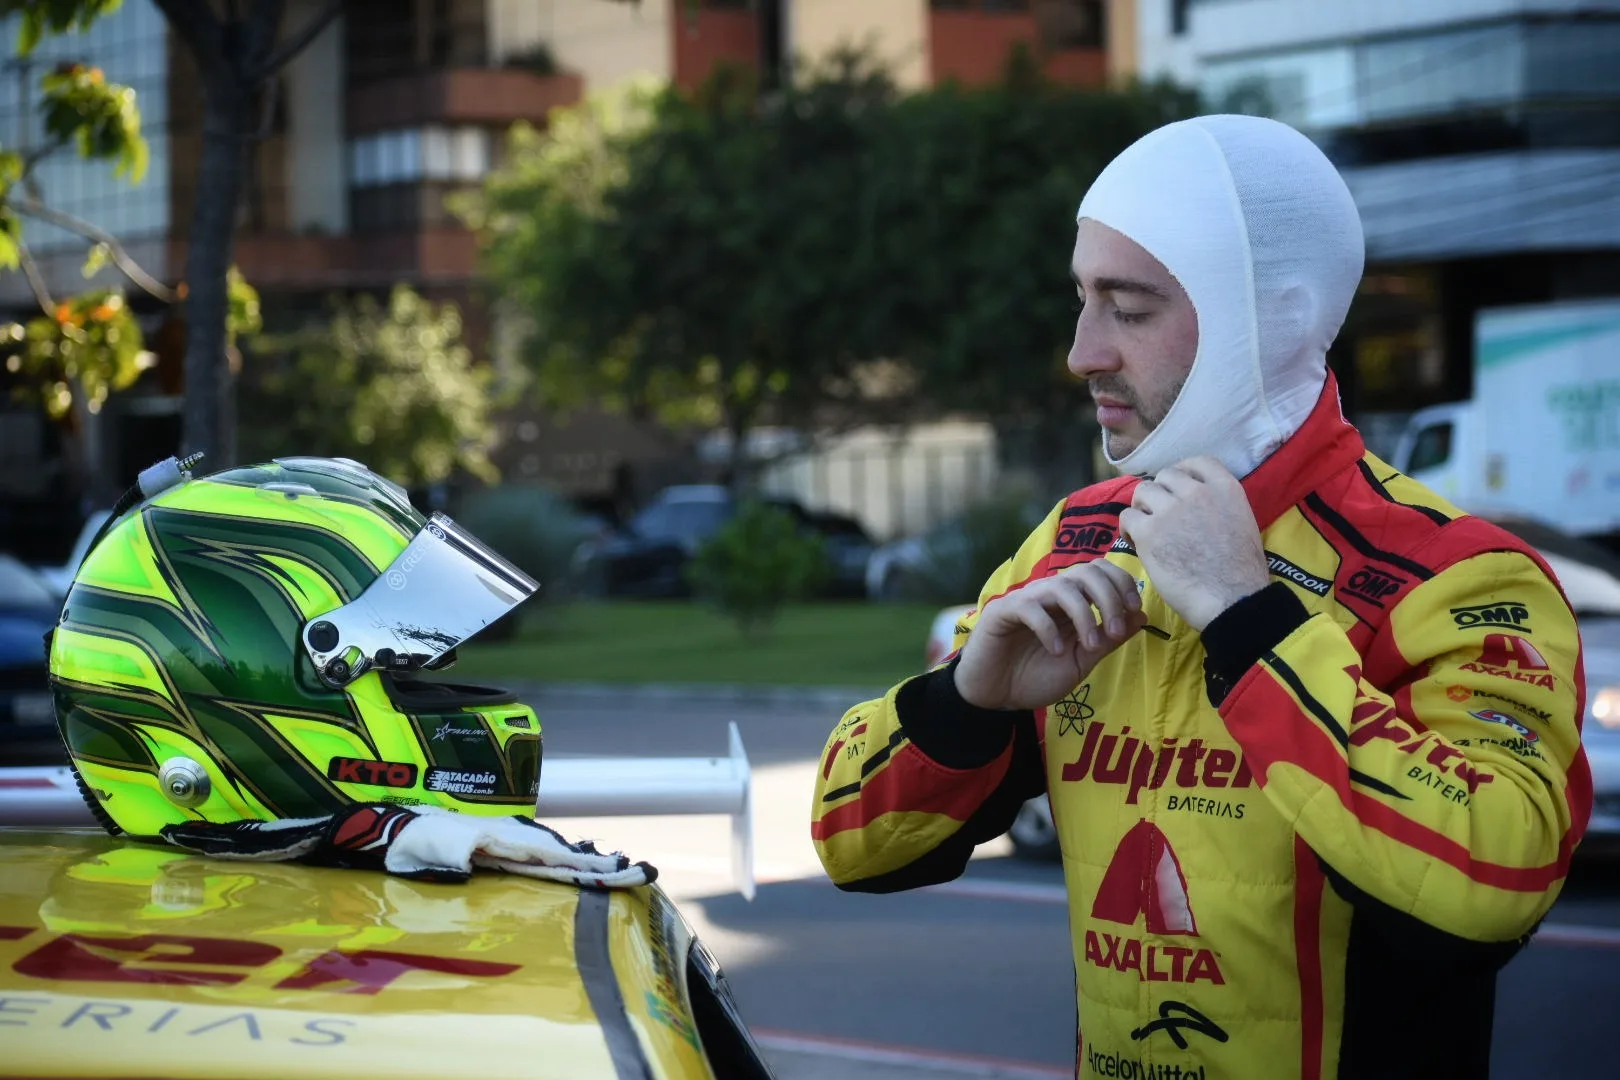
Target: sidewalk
[762, 694]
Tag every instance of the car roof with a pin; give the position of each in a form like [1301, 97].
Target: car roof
[238, 970]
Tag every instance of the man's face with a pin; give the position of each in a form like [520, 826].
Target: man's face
[1136, 337]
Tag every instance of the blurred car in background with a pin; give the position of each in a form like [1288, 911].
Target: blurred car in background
[1590, 578]
[955, 556]
[58, 578]
[28, 609]
[647, 558]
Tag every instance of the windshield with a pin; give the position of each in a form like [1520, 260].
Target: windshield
[20, 587]
[1431, 447]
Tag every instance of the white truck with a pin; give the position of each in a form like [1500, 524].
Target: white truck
[1540, 439]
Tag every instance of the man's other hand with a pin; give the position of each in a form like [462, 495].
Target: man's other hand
[1037, 643]
[1196, 535]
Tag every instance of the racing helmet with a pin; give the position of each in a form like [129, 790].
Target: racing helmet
[250, 645]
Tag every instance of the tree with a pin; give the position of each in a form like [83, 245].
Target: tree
[977, 191]
[686, 257]
[392, 386]
[78, 349]
[238, 49]
[731, 259]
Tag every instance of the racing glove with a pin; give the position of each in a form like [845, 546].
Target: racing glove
[424, 843]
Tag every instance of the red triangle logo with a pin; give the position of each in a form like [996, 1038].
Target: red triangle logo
[1145, 876]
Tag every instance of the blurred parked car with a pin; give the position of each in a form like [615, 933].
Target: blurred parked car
[955, 556]
[58, 578]
[1590, 577]
[648, 557]
[28, 609]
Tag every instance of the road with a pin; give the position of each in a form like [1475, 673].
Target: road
[973, 978]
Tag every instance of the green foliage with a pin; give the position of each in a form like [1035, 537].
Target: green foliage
[80, 350]
[54, 16]
[677, 255]
[534, 527]
[242, 312]
[90, 344]
[723, 260]
[81, 106]
[757, 562]
[959, 557]
[388, 385]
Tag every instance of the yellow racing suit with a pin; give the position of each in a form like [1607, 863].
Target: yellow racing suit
[1299, 845]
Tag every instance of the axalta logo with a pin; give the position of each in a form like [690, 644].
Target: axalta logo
[350, 770]
[1107, 758]
[1305, 580]
[1144, 881]
[1084, 538]
[1508, 656]
[1506, 613]
[1374, 586]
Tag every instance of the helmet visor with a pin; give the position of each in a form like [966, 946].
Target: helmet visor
[441, 590]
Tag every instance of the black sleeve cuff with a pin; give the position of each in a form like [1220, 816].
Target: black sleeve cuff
[948, 729]
[1235, 640]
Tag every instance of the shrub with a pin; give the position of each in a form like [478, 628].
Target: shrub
[758, 561]
[959, 557]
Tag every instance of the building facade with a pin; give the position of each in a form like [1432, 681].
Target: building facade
[1480, 138]
[396, 105]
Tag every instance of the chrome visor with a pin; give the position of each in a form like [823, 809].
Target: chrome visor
[441, 590]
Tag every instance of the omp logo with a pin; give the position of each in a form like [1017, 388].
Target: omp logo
[348, 770]
[1090, 539]
[1107, 758]
[1144, 881]
[1508, 656]
[1287, 570]
[1491, 716]
[1374, 586]
[1505, 613]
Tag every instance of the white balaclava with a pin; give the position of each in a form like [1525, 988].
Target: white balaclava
[1258, 227]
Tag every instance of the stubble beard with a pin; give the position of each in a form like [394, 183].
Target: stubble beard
[1151, 415]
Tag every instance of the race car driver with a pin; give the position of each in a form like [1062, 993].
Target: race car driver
[1310, 734]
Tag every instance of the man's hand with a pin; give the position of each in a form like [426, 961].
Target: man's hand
[1193, 529]
[1035, 644]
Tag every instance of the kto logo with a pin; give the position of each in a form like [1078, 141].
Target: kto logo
[1144, 878]
[1087, 538]
[350, 770]
[1508, 656]
[1506, 613]
[1374, 586]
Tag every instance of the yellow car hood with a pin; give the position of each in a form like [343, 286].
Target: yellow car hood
[120, 959]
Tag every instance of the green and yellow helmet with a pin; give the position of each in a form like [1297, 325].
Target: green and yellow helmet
[248, 646]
